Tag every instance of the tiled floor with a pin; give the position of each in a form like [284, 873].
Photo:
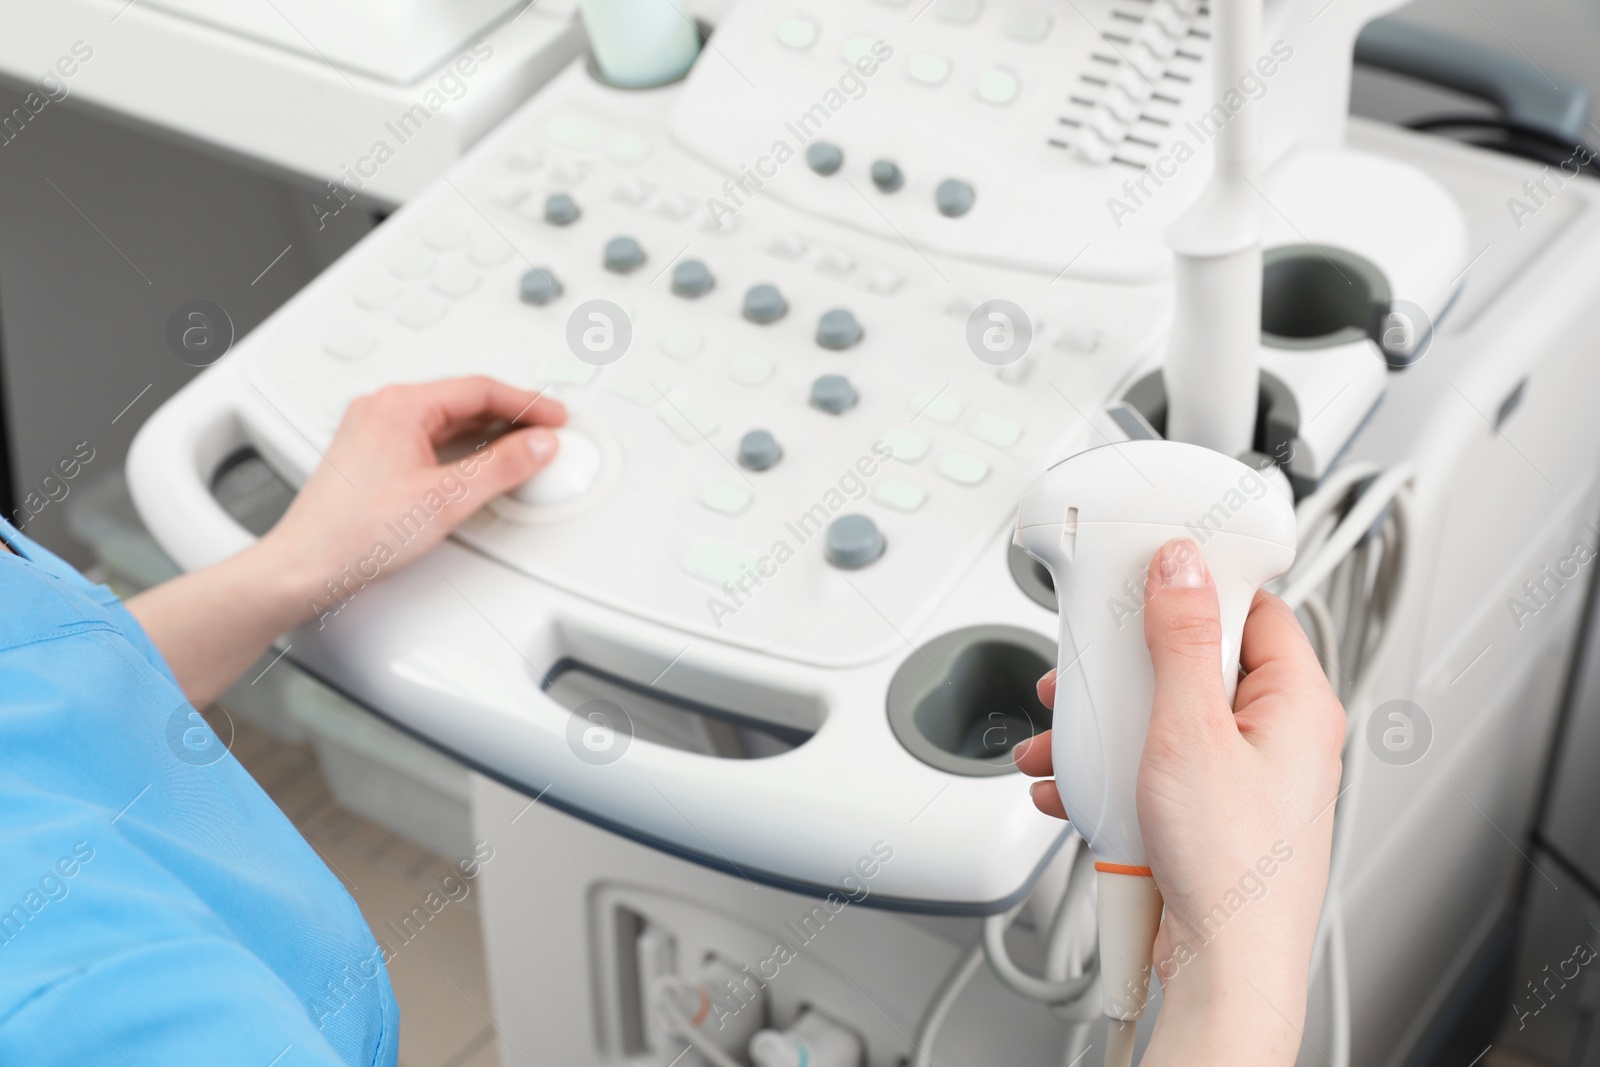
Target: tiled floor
[437, 971]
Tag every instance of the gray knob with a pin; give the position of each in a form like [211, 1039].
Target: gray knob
[539, 286]
[561, 210]
[954, 197]
[692, 278]
[886, 175]
[838, 329]
[759, 450]
[764, 304]
[824, 158]
[834, 394]
[854, 541]
[623, 254]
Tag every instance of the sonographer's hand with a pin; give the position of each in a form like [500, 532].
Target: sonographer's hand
[381, 490]
[1236, 809]
[380, 499]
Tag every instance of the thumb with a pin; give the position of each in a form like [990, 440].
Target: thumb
[507, 463]
[1183, 627]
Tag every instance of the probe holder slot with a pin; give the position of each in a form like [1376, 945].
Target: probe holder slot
[962, 701]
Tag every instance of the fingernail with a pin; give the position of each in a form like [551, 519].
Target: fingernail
[1181, 565]
[1033, 790]
[542, 443]
[1020, 749]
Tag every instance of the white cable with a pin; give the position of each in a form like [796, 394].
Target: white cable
[1322, 621]
[1030, 986]
[1356, 524]
[1359, 707]
[1070, 951]
[939, 1010]
[1066, 953]
[1338, 989]
[1330, 495]
[680, 1024]
[1069, 913]
[1330, 933]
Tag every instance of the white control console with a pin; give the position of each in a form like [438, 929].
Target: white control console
[822, 312]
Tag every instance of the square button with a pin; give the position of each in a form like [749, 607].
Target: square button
[750, 368]
[791, 249]
[726, 497]
[687, 420]
[956, 11]
[409, 263]
[421, 311]
[905, 444]
[349, 341]
[635, 390]
[566, 368]
[995, 429]
[717, 562]
[375, 293]
[901, 496]
[681, 341]
[963, 468]
[883, 282]
[1027, 26]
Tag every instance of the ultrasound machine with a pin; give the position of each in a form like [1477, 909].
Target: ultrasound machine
[886, 327]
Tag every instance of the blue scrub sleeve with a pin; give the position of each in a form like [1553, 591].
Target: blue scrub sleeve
[156, 908]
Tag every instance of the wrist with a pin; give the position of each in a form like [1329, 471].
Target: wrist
[281, 581]
[1227, 1005]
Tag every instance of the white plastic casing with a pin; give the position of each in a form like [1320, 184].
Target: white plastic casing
[1095, 521]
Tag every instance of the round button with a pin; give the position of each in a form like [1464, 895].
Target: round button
[759, 450]
[797, 32]
[692, 278]
[854, 541]
[886, 175]
[573, 471]
[539, 286]
[824, 158]
[927, 68]
[834, 394]
[443, 234]
[954, 197]
[561, 210]
[490, 251]
[764, 304]
[838, 329]
[997, 86]
[859, 49]
[623, 254]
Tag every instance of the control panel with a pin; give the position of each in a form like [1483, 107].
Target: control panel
[797, 424]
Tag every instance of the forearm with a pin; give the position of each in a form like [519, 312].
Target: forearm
[211, 624]
[1215, 1014]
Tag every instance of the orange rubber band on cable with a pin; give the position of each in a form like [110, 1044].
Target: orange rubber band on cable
[1122, 868]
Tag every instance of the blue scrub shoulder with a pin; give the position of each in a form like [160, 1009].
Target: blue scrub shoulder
[155, 905]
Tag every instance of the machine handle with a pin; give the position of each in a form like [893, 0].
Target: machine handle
[1525, 95]
[170, 463]
[469, 682]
